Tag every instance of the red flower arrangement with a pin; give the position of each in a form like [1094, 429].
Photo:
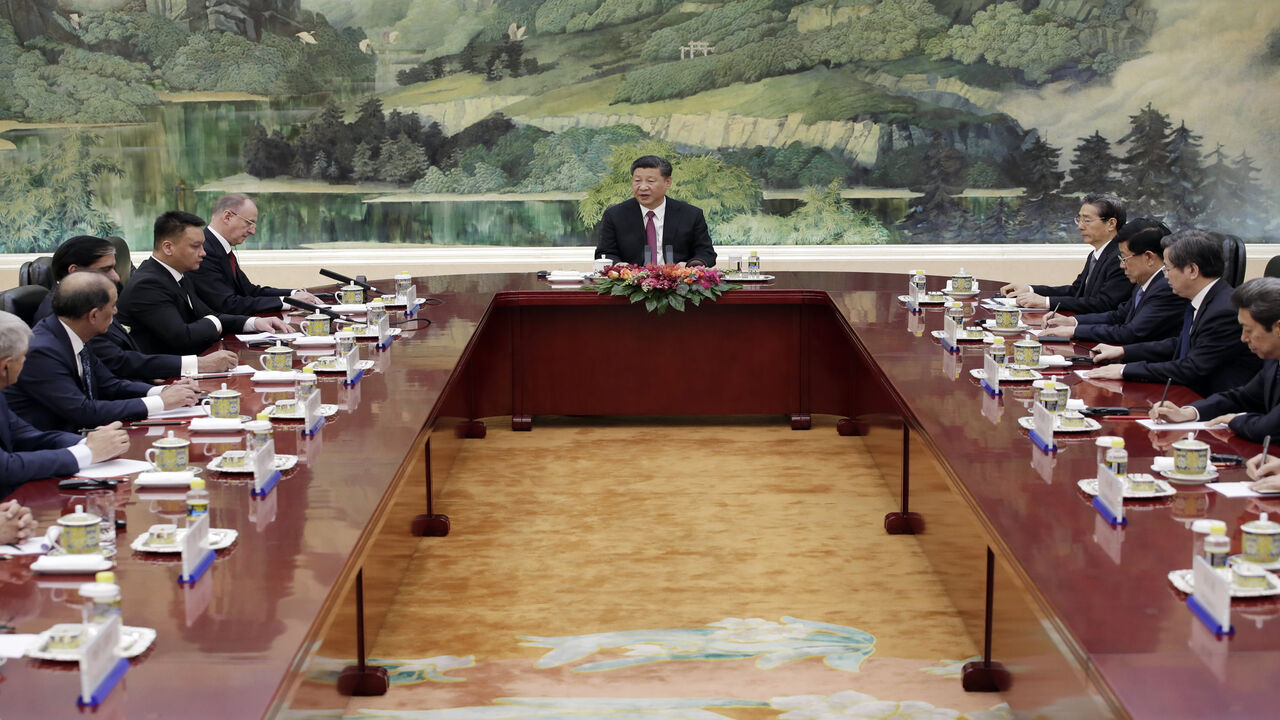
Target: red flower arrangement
[662, 286]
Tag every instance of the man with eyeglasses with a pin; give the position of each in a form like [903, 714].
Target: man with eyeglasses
[220, 281]
[1152, 312]
[1208, 355]
[1102, 285]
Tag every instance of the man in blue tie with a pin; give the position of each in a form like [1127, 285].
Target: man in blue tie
[1208, 355]
[1153, 311]
[65, 386]
[29, 454]
[1252, 410]
[651, 221]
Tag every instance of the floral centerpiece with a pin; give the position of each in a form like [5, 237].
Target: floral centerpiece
[662, 286]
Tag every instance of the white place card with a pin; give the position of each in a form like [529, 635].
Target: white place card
[913, 297]
[264, 466]
[1111, 493]
[384, 331]
[410, 299]
[1042, 421]
[950, 330]
[98, 657]
[352, 359]
[195, 545]
[992, 369]
[1212, 591]
[311, 410]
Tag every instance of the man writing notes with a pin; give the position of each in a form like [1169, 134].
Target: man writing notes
[1102, 285]
[1152, 312]
[1252, 411]
[27, 453]
[116, 347]
[642, 226]
[160, 304]
[65, 386]
[1207, 355]
[219, 280]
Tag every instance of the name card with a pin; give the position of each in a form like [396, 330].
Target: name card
[100, 663]
[311, 411]
[384, 331]
[410, 300]
[992, 382]
[1042, 427]
[950, 331]
[352, 359]
[196, 555]
[1110, 496]
[1212, 597]
[913, 297]
[265, 475]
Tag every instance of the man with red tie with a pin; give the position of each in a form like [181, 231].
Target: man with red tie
[641, 228]
[220, 281]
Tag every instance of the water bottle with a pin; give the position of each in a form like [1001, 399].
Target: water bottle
[753, 264]
[197, 501]
[1217, 547]
[1117, 458]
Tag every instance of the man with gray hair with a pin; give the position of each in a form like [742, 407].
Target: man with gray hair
[1252, 411]
[1208, 355]
[219, 280]
[66, 386]
[29, 454]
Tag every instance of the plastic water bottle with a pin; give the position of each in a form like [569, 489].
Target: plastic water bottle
[197, 500]
[1217, 547]
[918, 282]
[753, 264]
[1117, 459]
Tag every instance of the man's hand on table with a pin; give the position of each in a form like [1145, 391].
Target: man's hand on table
[1168, 412]
[108, 441]
[182, 393]
[1106, 372]
[273, 325]
[217, 361]
[305, 296]
[16, 523]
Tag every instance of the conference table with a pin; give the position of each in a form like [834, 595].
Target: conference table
[1072, 615]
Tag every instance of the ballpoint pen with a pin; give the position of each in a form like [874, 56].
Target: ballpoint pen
[1266, 444]
[1163, 395]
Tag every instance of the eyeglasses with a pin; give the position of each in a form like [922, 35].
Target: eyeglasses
[1085, 219]
[253, 224]
[1126, 258]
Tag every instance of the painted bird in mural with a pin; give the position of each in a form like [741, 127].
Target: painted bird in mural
[306, 38]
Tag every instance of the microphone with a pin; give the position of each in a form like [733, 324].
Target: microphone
[350, 281]
[304, 305]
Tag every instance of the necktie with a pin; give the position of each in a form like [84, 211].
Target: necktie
[1137, 297]
[651, 239]
[86, 368]
[1184, 340]
[235, 267]
[1088, 275]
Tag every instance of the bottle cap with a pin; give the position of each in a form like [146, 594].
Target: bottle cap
[197, 483]
[1105, 442]
[264, 415]
[309, 370]
[1117, 443]
[106, 576]
[1218, 530]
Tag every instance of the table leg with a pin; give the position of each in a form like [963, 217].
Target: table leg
[362, 680]
[904, 522]
[430, 524]
[474, 429]
[801, 421]
[985, 675]
[522, 422]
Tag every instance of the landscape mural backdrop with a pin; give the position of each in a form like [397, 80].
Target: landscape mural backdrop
[512, 122]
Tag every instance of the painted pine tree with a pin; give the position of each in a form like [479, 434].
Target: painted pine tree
[1145, 170]
[1093, 166]
[1186, 176]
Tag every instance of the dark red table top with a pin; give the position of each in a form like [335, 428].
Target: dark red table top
[258, 611]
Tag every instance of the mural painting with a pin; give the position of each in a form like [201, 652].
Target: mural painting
[513, 122]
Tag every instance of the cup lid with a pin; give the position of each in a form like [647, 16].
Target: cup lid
[317, 316]
[1262, 525]
[79, 517]
[224, 392]
[352, 286]
[279, 349]
[172, 441]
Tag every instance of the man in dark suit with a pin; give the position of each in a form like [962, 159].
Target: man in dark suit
[116, 348]
[160, 305]
[29, 454]
[1207, 355]
[219, 280]
[1252, 410]
[1101, 285]
[651, 221]
[1153, 312]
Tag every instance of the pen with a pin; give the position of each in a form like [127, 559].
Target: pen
[1266, 443]
[1054, 311]
[1164, 394]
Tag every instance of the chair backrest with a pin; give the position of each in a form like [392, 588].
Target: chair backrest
[23, 301]
[37, 272]
[1233, 258]
[1273, 267]
[124, 265]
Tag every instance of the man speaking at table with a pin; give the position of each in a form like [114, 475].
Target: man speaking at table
[220, 281]
[651, 221]
[1252, 410]
[27, 453]
[160, 305]
[1207, 355]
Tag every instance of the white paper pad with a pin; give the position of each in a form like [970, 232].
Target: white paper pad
[250, 337]
[348, 308]
[309, 340]
[275, 376]
[208, 424]
[38, 545]
[182, 412]
[1076, 404]
[237, 370]
[1055, 361]
[1237, 489]
[113, 468]
[1183, 426]
[71, 564]
[164, 479]
[15, 646]
[1164, 463]
[566, 276]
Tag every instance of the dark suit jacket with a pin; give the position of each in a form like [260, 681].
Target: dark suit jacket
[117, 350]
[1100, 286]
[684, 229]
[1217, 360]
[1158, 316]
[50, 395]
[29, 454]
[1259, 401]
[161, 320]
[228, 291]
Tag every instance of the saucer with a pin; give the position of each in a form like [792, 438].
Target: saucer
[1182, 479]
[392, 301]
[324, 411]
[1265, 566]
[1163, 489]
[734, 277]
[340, 366]
[932, 299]
[961, 336]
[218, 539]
[1182, 580]
[133, 642]
[193, 469]
[1005, 377]
[104, 552]
[282, 463]
[1029, 423]
[990, 325]
[953, 293]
